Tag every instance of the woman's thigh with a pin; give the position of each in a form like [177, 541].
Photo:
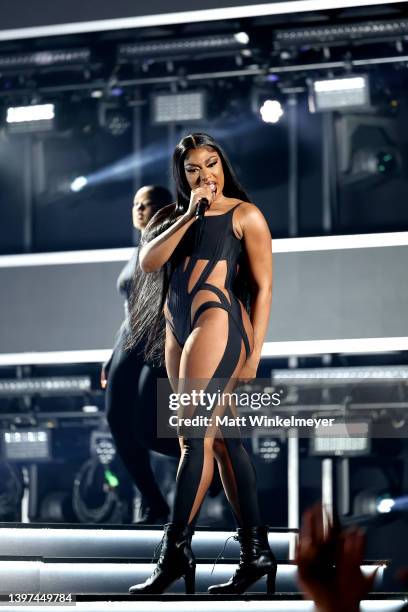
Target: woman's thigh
[214, 340]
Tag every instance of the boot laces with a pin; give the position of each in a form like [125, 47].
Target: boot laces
[158, 549]
[235, 537]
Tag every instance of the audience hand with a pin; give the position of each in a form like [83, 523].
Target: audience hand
[329, 562]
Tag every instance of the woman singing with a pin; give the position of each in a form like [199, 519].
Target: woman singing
[215, 273]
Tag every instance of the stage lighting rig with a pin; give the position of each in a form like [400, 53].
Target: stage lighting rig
[347, 92]
[173, 48]
[45, 386]
[324, 36]
[52, 58]
[180, 107]
[32, 118]
[114, 117]
[343, 440]
[26, 445]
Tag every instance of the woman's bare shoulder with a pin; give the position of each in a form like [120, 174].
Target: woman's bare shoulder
[249, 209]
[251, 220]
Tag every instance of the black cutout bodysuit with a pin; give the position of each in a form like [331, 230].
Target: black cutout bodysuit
[211, 239]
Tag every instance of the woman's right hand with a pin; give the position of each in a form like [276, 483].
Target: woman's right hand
[204, 191]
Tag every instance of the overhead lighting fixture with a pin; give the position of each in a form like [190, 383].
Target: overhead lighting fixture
[349, 375]
[324, 35]
[45, 59]
[176, 108]
[342, 439]
[337, 94]
[114, 117]
[52, 386]
[26, 445]
[182, 45]
[242, 38]
[271, 111]
[32, 118]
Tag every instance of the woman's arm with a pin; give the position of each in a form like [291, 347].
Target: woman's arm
[258, 246]
[158, 251]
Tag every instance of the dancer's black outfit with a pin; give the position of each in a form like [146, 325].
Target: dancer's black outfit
[211, 239]
[131, 410]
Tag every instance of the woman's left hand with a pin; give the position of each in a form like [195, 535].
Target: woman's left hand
[249, 369]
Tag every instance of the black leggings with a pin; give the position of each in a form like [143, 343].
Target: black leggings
[131, 411]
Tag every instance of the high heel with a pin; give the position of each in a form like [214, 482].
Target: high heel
[271, 581]
[189, 581]
[176, 561]
[256, 559]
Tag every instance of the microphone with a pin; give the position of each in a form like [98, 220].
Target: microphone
[202, 206]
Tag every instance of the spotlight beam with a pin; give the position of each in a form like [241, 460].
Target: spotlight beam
[124, 168]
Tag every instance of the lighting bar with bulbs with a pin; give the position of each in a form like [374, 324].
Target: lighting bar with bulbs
[56, 386]
[349, 375]
[324, 35]
[184, 45]
[45, 59]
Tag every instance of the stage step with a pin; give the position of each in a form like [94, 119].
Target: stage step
[290, 603]
[117, 541]
[115, 576]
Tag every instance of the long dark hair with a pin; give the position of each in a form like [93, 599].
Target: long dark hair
[149, 291]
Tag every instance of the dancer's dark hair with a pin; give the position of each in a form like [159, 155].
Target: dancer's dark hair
[149, 291]
[160, 196]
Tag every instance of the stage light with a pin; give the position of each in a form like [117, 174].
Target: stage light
[180, 107]
[33, 118]
[242, 37]
[271, 111]
[351, 375]
[385, 504]
[348, 439]
[102, 446]
[39, 59]
[57, 386]
[171, 48]
[36, 112]
[26, 445]
[337, 94]
[114, 117]
[268, 449]
[116, 123]
[324, 35]
[79, 183]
